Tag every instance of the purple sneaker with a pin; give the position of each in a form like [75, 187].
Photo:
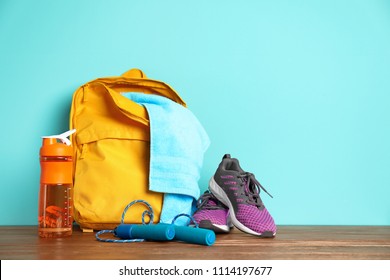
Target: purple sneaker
[240, 192]
[212, 214]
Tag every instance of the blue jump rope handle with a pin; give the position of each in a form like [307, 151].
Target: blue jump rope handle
[154, 232]
[194, 235]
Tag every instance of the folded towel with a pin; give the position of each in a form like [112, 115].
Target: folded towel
[177, 144]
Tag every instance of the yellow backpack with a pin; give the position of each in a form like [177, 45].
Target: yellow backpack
[111, 150]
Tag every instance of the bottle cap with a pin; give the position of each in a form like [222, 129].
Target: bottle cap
[51, 147]
[58, 170]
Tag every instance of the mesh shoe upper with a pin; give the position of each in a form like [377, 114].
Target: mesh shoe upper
[211, 213]
[258, 221]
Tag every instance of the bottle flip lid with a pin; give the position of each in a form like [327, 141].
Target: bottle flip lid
[56, 159]
[63, 137]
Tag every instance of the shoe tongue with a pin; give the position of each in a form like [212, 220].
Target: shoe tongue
[211, 203]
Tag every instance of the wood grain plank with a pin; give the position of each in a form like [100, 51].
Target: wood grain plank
[291, 242]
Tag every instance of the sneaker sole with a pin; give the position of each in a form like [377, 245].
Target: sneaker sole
[220, 194]
[209, 225]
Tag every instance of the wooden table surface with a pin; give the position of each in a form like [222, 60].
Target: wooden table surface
[291, 242]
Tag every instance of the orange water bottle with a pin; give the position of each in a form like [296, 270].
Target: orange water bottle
[55, 209]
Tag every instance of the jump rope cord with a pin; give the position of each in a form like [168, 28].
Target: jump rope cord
[146, 212]
[185, 215]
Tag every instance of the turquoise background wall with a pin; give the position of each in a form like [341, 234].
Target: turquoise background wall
[298, 91]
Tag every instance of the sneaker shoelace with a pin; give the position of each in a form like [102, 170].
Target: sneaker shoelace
[252, 189]
[203, 202]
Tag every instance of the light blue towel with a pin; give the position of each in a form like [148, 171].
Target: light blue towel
[177, 144]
